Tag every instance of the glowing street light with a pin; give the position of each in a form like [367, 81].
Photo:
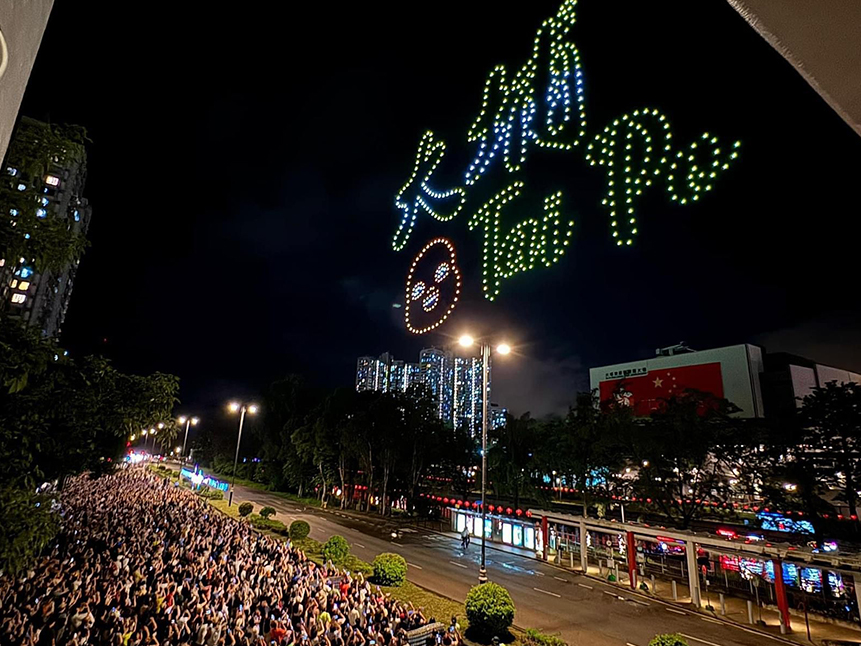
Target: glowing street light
[242, 408]
[468, 341]
[188, 421]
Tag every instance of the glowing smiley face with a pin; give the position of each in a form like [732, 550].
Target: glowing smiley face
[433, 287]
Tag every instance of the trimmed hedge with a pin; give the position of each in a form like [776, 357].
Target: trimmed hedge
[668, 640]
[489, 609]
[211, 494]
[261, 522]
[245, 509]
[266, 512]
[336, 549]
[390, 569]
[533, 637]
[299, 530]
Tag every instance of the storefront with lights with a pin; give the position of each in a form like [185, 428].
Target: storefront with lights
[500, 526]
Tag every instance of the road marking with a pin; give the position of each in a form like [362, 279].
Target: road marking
[552, 594]
[458, 564]
[418, 567]
[398, 544]
[697, 639]
[754, 632]
[583, 585]
[539, 573]
[559, 578]
[678, 612]
[711, 621]
[642, 603]
[613, 594]
[359, 545]
[629, 644]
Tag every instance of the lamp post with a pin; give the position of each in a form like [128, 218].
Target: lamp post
[503, 348]
[188, 421]
[242, 408]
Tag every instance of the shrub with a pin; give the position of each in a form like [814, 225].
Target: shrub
[266, 512]
[489, 609]
[336, 549]
[354, 564]
[261, 522]
[668, 640]
[299, 530]
[245, 509]
[390, 569]
[211, 494]
[533, 637]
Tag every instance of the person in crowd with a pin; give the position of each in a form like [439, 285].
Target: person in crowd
[142, 562]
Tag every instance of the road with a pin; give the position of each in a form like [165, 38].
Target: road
[583, 611]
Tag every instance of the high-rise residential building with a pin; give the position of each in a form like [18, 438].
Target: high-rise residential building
[455, 383]
[497, 416]
[366, 373]
[397, 376]
[412, 374]
[41, 300]
[437, 367]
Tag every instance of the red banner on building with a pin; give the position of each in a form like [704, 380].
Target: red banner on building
[646, 392]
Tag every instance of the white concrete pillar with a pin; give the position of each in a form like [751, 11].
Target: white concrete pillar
[584, 550]
[693, 574]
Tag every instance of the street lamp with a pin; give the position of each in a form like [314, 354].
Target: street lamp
[188, 421]
[503, 348]
[242, 408]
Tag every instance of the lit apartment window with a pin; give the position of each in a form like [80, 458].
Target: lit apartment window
[24, 285]
[19, 298]
[13, 284]
[24, 272]
[52, 180]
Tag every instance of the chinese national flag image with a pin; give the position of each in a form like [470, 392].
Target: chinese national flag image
[645, 393]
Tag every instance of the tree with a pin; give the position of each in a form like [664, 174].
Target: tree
[60, 417]
[683, 453]
[586, 444]
[43, 243]
[512, 462]
[831, 419]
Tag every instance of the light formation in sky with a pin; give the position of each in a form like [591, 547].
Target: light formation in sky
[542, 105]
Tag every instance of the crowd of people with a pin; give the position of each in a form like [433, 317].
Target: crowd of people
[141, 561]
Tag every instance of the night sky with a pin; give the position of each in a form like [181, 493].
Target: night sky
[245, 161]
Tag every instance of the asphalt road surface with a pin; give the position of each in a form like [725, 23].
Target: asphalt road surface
[583, 611]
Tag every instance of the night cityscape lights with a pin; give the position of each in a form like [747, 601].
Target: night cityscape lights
[433, 279]
[545, 108]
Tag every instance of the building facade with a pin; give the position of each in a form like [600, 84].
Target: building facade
[21, 27]
[455, 383]
[761, 384]
[41, 300]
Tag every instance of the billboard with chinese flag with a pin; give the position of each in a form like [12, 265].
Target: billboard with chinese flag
[731, 373]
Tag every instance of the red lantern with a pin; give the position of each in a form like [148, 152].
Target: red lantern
[508, 510]
[445, 500]
[491, 508]
[528, 514]
[519, 512]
